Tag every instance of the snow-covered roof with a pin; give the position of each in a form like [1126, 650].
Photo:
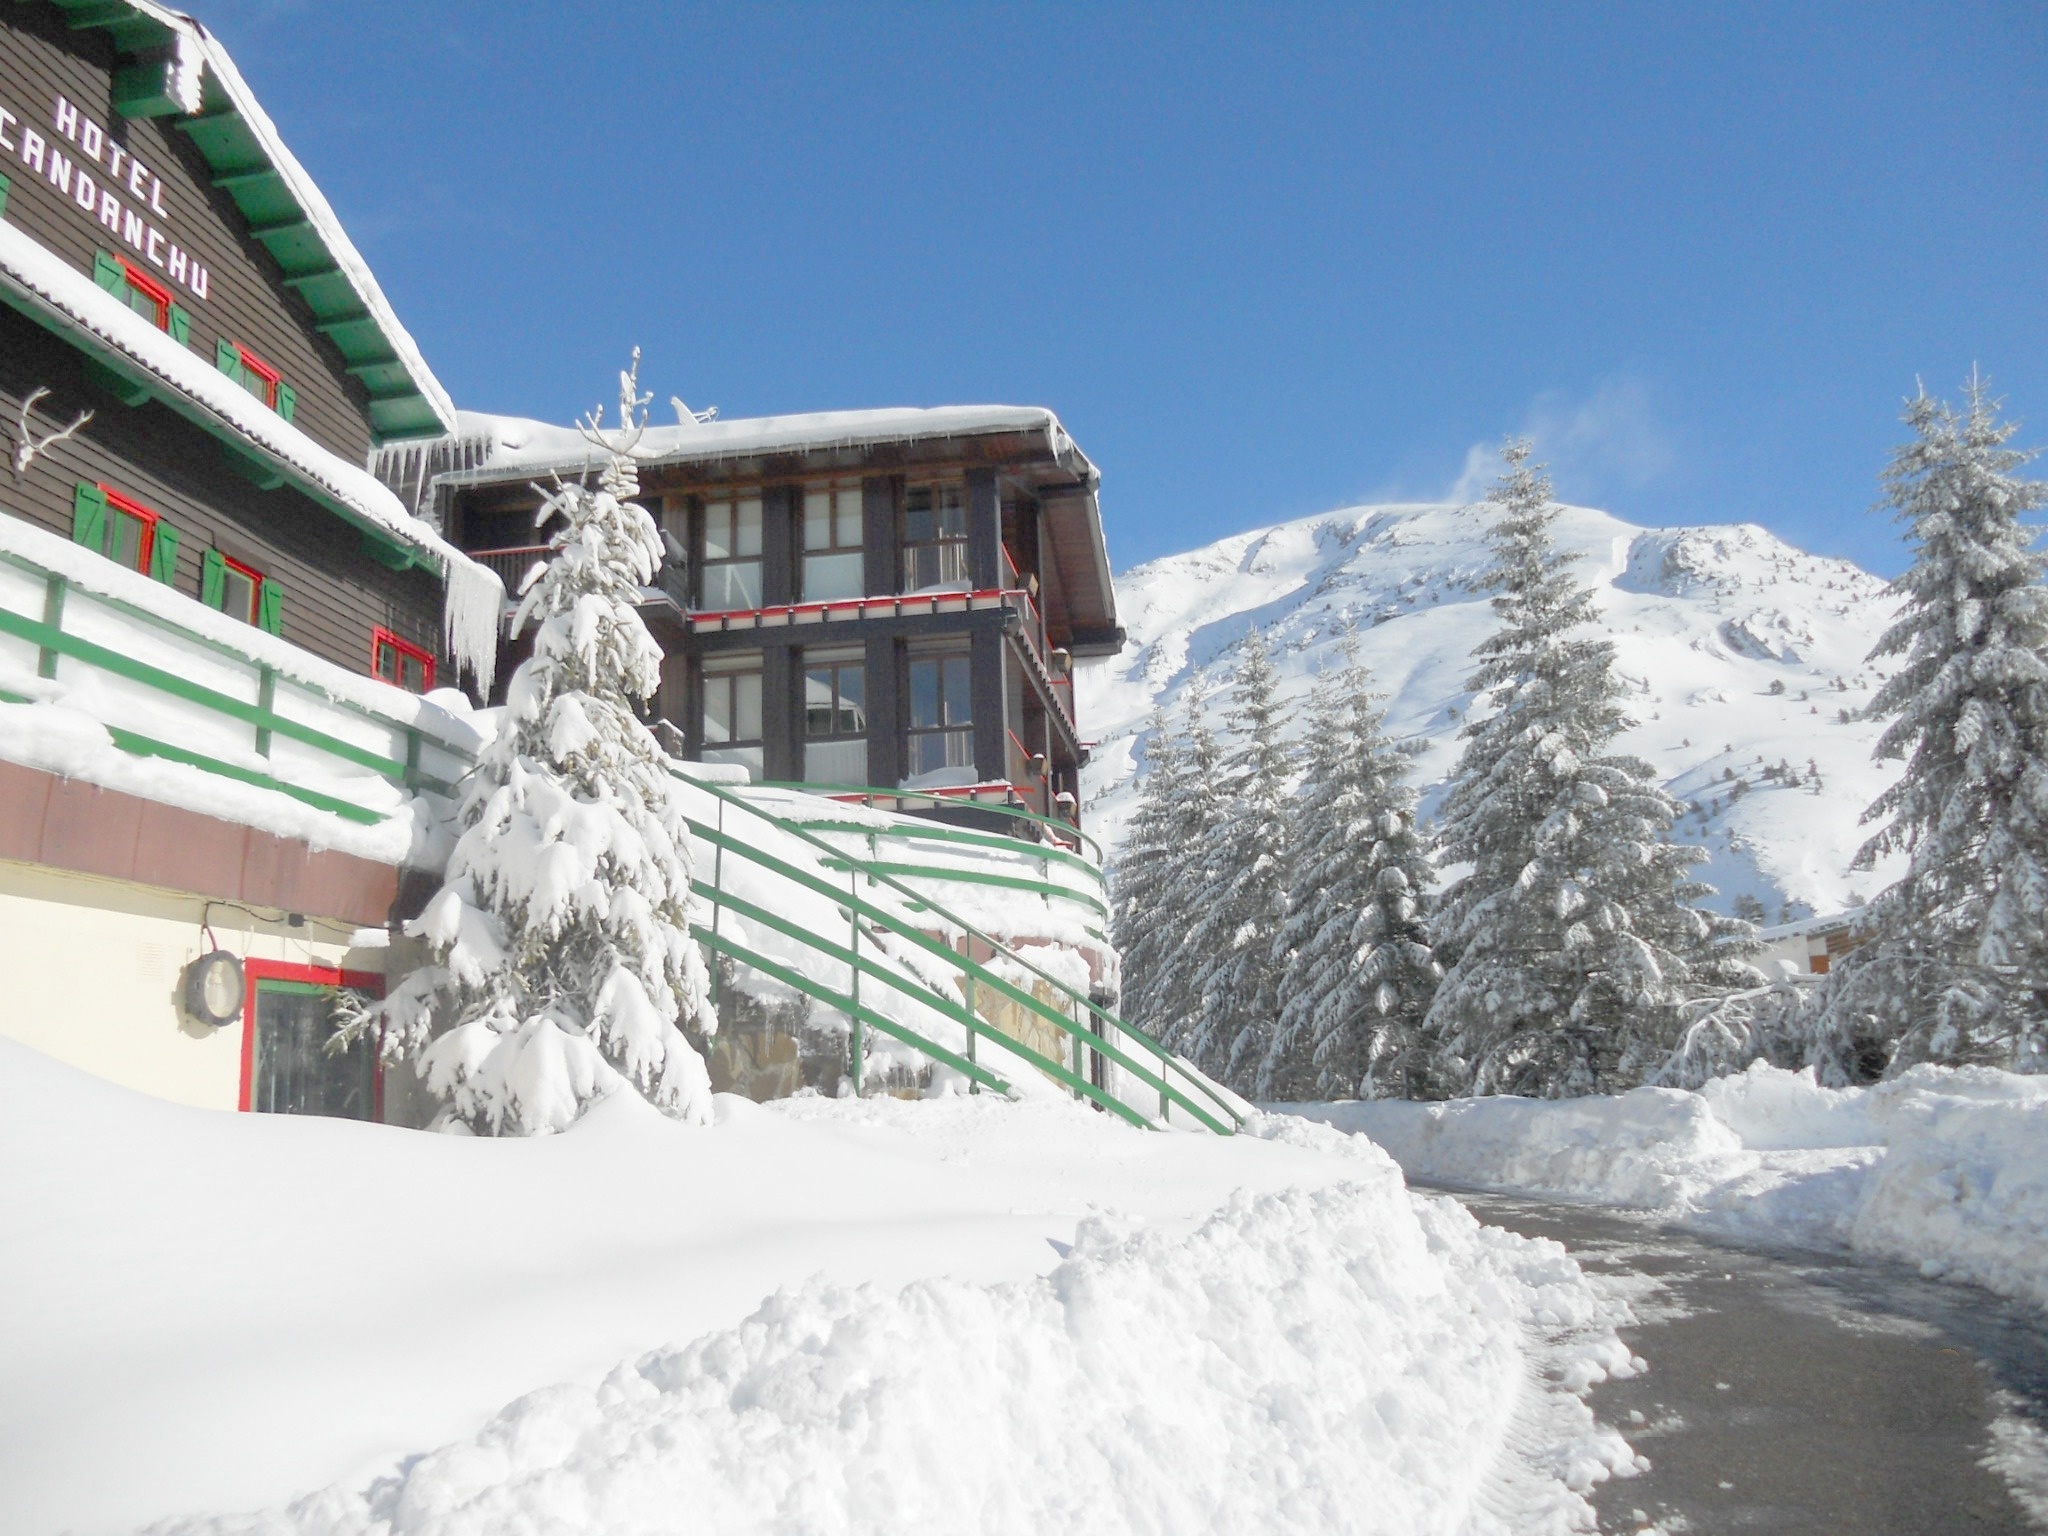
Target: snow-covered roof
[43, 285]
[213, 106]
[488, 447]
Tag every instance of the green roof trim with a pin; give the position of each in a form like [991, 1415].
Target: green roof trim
[402, 403]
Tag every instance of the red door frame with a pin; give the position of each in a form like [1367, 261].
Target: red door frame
[254, 971]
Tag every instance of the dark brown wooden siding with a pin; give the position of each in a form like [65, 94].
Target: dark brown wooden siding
[246, 301]
[335, 594]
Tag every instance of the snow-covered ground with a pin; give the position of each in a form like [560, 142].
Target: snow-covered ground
[1945, 1169]
[1707, 622]
[960, 1314]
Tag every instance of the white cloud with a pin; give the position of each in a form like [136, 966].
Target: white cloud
[1595, 445]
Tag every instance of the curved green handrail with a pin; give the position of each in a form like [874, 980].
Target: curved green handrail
[917, 991]
[1100, 1043]
[872, 791]
[726, 944]
[906, 828]
[971, 877]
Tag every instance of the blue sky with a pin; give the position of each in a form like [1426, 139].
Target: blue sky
[1264, 261]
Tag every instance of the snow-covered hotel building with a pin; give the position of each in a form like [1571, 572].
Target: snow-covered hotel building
[238, 664]
[215, 624]
[884, 599]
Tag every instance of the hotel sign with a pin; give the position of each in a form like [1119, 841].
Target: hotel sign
[102, 181]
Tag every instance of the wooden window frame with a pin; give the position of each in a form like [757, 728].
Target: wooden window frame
[910, 547]
[913, 732]
[709, 673]
[255, 972]
[272, 379]
[380, 637]
[707, 563]
[836, 666]
[256, 581]
[833, 547]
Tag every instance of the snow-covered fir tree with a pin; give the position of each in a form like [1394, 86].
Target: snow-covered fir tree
[1242, 897]
[1164, 902]
[1574, 936]
[1957, 970]
[561, 956]
[1140, 925]
[1358, 970]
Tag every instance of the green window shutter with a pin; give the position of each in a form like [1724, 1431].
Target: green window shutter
[287, 401]
[3, 197]
[213, 579]
[163, 554]
[181, 326]
[89, 516]
[270, 608]
[110, 274]
[227, 357]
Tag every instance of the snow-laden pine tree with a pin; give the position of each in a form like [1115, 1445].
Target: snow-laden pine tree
[1574, 936]
[1957, 970]
[1144, 929]
[1358, 970]
[1190, 807]
[1243, 896]
[561, 957]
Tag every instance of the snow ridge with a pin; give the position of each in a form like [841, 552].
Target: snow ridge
[1740, 652]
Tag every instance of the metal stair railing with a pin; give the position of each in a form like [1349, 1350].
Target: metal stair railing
[1170, 1065]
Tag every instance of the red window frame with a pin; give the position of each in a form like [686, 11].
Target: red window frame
[149, 517]
[380, 638]
[255, 971]
[150, 289]
[270, 376]
[256, 580]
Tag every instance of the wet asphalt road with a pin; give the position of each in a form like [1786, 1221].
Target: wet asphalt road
[1795, 1392]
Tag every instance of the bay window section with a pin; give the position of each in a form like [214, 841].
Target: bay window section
[835, 717]
[941, 744]
[934, 537]
[833, 564]
[732, 554]
[730, 727]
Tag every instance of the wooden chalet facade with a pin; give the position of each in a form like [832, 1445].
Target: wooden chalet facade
[200, 580]
[867, 600]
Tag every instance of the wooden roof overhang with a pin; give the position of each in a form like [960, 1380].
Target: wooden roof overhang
[285, 213]
[1045, 465]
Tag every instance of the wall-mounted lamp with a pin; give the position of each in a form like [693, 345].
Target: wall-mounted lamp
[214, 986]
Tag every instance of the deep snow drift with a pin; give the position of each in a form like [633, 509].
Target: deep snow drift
[958, 1314]
[1945, 1169]
[1706, 623]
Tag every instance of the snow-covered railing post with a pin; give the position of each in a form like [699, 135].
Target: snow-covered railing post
[855, 1043]
[967, 948]
[717, 905]
[266, 700]
[54, 587]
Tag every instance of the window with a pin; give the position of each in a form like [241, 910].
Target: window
[241, 590]
[124, 530]
[398, 661]
[732, 554]
[732, 710]
[141, 293]
[835, 718]
[941, 715]
[934, 537]
[833, 564]
[256, 376]
[287, 1024]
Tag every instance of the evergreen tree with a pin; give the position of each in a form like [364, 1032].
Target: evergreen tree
[1574, 936]
[1184, 891]
[1143, 928]
[1242, 897]
[561, 956]
[1358, 971]
[1957, 970]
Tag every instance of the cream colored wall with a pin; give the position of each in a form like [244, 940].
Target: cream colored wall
[95, 976]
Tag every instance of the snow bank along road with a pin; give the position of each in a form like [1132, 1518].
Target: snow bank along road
[1800, 1392]
[818, 1316]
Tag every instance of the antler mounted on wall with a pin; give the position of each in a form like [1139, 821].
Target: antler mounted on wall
[26, 444]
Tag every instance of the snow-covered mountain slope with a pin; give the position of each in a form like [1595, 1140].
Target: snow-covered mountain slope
[1743, 653]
